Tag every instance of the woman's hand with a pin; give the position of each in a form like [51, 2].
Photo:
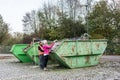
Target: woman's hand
[55, 41]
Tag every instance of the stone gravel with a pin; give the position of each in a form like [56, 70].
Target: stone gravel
[12, 69]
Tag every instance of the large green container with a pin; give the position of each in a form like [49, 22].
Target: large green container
[18, 51]
[32, 53]
[79, 53]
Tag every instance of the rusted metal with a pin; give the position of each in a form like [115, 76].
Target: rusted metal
[72, 54]
[87, 58]
[80, 53]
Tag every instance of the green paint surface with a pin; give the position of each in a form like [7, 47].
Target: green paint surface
[70, 53]
[17, 50]
[80, 53]
[32, 52]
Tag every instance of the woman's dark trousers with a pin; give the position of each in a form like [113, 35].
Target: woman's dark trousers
[45, 60]
[41, 58]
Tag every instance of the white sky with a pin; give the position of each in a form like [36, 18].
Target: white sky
[13, 11]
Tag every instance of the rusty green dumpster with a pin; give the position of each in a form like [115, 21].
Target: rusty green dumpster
[32, 52]
[18, 52]
[79, 53]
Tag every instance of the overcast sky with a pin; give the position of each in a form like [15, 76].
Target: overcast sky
[13, 11]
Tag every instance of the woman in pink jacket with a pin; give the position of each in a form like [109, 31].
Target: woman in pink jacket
[46, 48]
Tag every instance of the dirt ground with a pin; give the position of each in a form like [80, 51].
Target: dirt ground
[104, 58]
[12, 69]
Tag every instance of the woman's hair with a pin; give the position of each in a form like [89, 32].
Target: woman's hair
[44, 41]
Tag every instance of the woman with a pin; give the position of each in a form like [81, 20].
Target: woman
[46, 48]
[41, 56]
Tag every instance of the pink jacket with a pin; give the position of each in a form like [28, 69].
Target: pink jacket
[47, 48]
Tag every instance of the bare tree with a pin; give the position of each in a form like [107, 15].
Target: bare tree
[30, 22]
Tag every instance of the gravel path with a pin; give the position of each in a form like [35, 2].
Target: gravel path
[12, 69]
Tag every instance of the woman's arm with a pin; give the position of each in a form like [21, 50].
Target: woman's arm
[40, 48]
[49, 46]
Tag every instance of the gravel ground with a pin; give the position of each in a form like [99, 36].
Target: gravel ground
[12, 69]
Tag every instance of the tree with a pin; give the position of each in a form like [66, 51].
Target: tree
[58, 21]
[99, 20]
[104, 20]
[70, 28]
[30, 23]
[3, 30]
[14, 38]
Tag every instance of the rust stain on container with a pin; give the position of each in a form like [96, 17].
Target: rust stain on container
[87, 59]
[73, 48]
[96, 58]
[32, 57]
[65, 43]
[97, 45]
[70, 62]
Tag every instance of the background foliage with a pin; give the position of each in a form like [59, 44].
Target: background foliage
[69, 19]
